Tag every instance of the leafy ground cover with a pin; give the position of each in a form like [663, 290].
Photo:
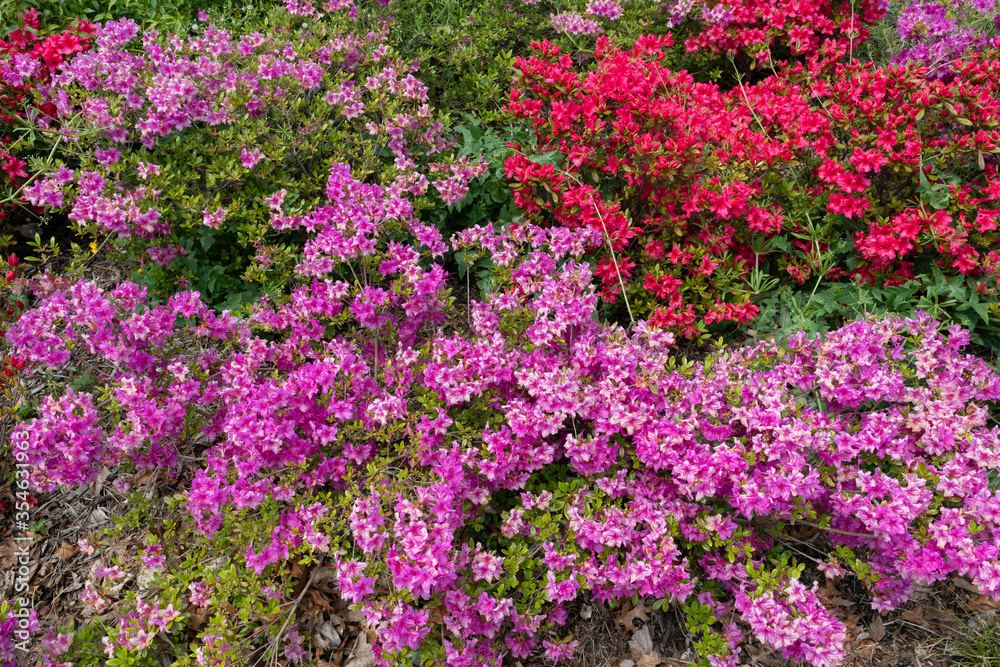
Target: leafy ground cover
[439, 333]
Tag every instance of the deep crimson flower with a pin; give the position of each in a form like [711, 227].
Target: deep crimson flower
[15, 167]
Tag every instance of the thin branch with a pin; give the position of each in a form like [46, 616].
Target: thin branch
[298, 600]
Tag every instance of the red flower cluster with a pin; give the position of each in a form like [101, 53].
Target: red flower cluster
[822, 154]
[805, 26]
[10, 309]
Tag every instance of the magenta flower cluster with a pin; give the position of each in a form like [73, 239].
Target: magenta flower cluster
[938, 33]
[573, 23]
[17, 626]
[879, 432]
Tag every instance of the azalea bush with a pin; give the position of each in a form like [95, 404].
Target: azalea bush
[184, 151]
[719, 27]
[11, 307]
[28, 57]
[352, 424]
[741, 26]
[466, 48]
[17, 625]
[706, 199]
[936, 34]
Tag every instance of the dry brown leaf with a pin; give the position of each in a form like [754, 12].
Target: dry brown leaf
[74, 585]
[65, 551]
[354, 616]
[840, 602]
[301, 574]
[324, 574]
[626, 616]
[46, 569]
[437, 615]
[865, 652]
[199, 616]
[965, 585]
[915, 616]
[877, 629]
[362, 655]
[641, 647]
[319, 600]
[325, 635]
[102, 477]
[145, 577]
[8, 554]
[943, 616]
[300, 571]
[983, 603]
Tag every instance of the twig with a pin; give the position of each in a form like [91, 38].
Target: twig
[835, 530]
[66, 531]
[298, 600]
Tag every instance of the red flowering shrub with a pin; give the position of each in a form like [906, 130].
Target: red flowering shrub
[27, 59]
[754, 26]
[822, 170]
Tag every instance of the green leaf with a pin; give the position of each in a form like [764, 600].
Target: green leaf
[463, 265]
[826, 298]
[469, 144]
[980, 308]
[554, 158]
[207, 237]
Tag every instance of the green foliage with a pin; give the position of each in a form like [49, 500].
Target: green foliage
[299, 136]
[164, 15]
[883, 41]
[489, 197]
[959, 299]
[466, 48]
[976, 644]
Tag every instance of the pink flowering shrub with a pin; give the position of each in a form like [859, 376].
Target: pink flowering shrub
[938, 33]
[17, 625]
[353, 423]
[184, 148]
[470, 471]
